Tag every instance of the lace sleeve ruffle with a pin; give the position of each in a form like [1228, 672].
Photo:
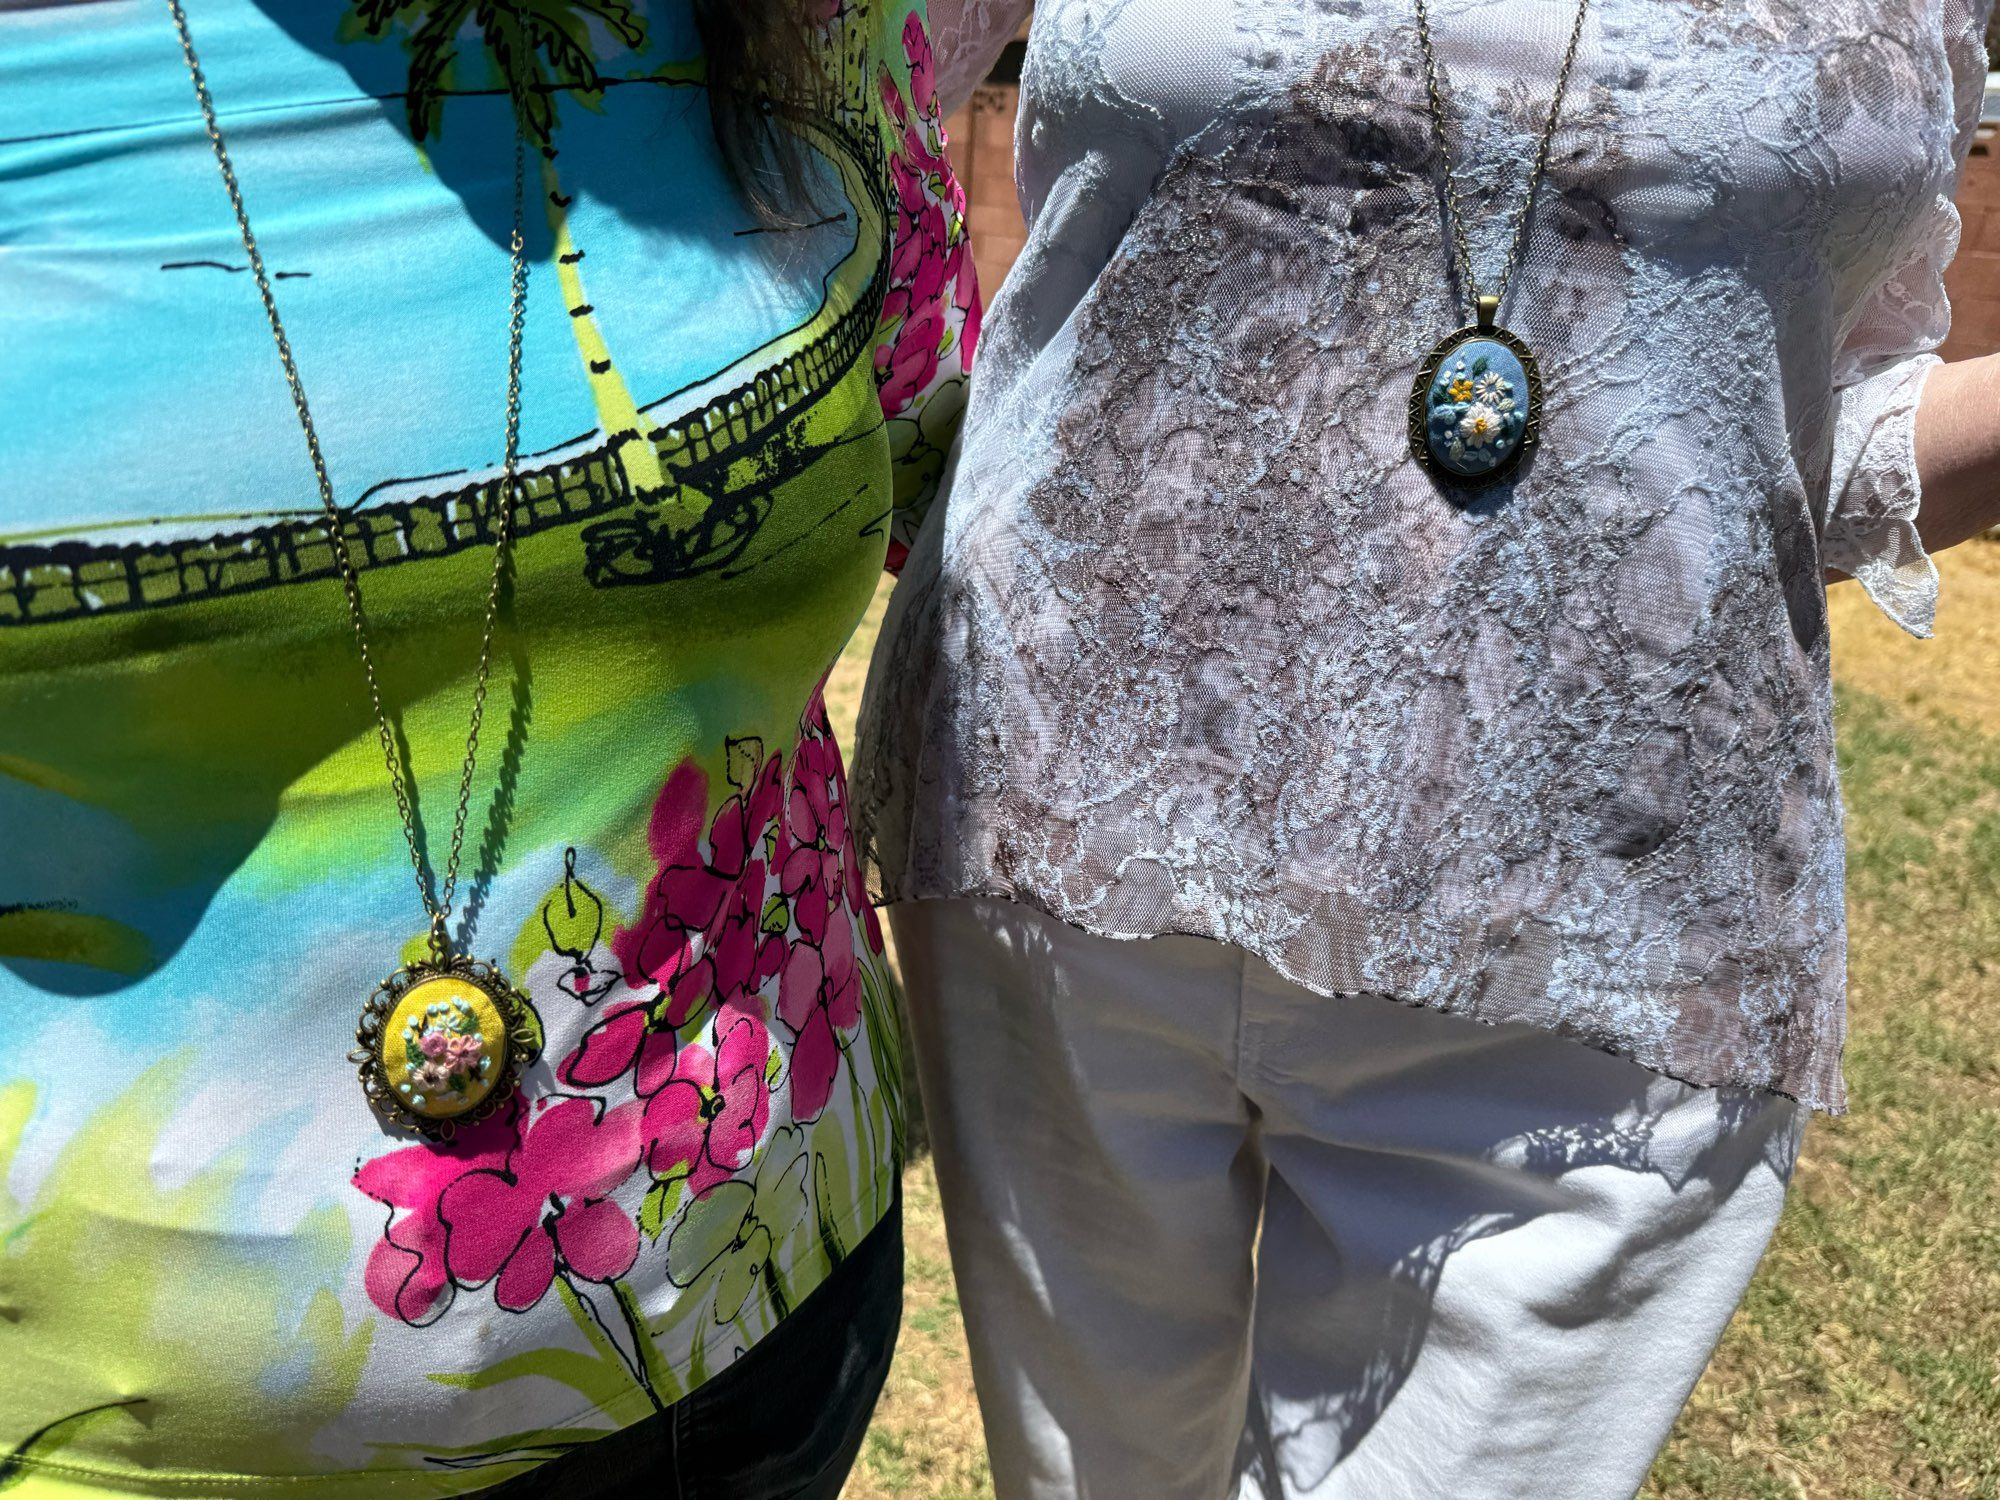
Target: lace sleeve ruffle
[1874, 495]
[1871, 531]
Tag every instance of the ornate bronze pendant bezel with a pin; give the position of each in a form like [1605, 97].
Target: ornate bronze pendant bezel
[1420, 442]
[519, 1043]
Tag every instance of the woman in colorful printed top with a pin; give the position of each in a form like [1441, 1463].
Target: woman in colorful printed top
[1350, 660]
[222, 1272]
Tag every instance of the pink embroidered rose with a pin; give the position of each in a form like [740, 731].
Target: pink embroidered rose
[549, 1209]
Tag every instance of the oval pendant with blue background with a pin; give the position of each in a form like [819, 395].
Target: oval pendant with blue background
[1476, 405]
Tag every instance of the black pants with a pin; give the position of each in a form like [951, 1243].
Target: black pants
[784, 1422]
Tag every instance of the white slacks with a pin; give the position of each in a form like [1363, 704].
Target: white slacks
[1218, 1236]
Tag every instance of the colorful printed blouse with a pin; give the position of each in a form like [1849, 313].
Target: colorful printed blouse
[1196, 645]
[219, 1273]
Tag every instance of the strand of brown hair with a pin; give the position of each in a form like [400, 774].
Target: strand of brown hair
[764, 67]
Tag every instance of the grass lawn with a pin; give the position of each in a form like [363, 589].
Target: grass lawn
[1865, 1361]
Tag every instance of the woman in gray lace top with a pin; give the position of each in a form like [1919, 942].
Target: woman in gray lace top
[1193, 649]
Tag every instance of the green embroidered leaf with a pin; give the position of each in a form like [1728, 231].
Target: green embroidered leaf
[1479, 365]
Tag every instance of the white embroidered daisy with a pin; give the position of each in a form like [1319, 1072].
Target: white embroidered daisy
[1492, 387]
[1479, 426]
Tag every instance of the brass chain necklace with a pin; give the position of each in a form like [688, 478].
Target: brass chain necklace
[442, 1042]
[1476, 404]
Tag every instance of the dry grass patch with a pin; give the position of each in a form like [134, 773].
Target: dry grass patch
[1959, 672]
[926, 1440]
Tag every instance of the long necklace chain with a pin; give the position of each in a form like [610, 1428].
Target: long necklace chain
[1455, 210]
[439, 906]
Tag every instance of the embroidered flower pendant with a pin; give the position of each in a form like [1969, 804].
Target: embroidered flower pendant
[443, 1045]
[1476, 404]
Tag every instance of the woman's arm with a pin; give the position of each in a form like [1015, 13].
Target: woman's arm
[1958, 452]
[1911, 469]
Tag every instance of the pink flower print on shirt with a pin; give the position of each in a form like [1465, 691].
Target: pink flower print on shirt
[405, 1275]
[630, 1038]
[923, 124]
[906, 368]
[699, 937]
[549, 1209]
[930, 271]
[705, 1122]
[772, 889]
[819, 999]
[813, 878]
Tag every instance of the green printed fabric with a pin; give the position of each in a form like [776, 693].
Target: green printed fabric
[220, 1273]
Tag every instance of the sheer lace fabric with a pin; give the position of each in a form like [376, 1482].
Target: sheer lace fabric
[1193, 646]
[968, 36]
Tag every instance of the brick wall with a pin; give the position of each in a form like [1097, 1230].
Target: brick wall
[982, 149]
[1974, 278]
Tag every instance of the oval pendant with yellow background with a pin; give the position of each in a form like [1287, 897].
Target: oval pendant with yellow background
[443, 1045]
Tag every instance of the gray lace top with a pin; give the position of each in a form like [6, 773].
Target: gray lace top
[1194, 646]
